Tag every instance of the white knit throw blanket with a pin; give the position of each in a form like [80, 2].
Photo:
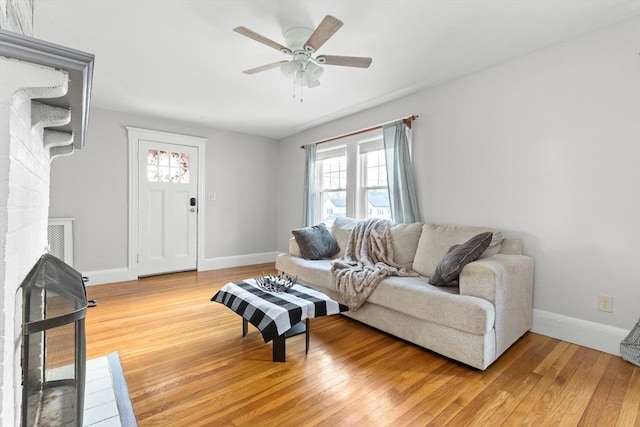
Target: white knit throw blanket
[368, 259]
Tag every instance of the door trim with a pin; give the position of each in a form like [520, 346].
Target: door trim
[135, 135]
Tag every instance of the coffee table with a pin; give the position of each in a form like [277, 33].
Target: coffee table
[277, 315]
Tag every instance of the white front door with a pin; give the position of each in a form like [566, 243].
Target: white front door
[168, 207]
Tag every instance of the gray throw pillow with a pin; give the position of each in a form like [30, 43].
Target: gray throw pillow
[448, 270]
[316, 242]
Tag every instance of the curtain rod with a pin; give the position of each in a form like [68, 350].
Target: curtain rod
[407, 121]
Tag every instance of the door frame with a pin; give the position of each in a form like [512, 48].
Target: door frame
[135, 135]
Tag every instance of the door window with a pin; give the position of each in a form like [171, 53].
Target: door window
[167, 166]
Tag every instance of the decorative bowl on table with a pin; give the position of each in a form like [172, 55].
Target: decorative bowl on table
[280, 283]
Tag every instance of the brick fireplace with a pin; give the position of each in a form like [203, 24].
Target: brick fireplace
[44, 99]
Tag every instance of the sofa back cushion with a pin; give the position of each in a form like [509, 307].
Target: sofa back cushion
[404, 239]
[341, 229]
[436, 239]
[511, 246]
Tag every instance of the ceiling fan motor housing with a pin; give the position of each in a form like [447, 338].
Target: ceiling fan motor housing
[295, 38]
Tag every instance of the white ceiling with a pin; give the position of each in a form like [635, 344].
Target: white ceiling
[181, 60]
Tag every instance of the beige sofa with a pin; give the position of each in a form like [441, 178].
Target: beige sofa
[473, 323]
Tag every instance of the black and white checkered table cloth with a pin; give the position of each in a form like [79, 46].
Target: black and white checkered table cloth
[275, 313]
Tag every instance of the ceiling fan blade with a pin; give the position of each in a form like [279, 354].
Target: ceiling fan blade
[264, 67]
[325, 30]
[345, 61]
[262, 39]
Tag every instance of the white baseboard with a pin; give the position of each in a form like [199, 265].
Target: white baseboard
[99, 277]
[582, 332]
[236, 261]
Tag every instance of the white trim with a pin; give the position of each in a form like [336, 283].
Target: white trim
[353, 182]
[135, 135]
[114, 275]
[236, 260]
[582, 332]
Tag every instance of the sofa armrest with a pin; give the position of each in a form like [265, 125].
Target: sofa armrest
[294, 249]
[507, 282]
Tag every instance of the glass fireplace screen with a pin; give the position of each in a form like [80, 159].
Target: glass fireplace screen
[53, 344]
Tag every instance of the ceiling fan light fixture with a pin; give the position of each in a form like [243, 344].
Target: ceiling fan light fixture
[314, 72]
[289, 69]
[313, 83]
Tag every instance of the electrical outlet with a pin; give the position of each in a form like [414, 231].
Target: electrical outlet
[212, 196]
[605, 303]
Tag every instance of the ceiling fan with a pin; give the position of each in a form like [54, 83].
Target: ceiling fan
[301, 44]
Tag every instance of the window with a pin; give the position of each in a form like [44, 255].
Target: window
[352, 179]
[332, 171]
[167, 166]
[374, 188]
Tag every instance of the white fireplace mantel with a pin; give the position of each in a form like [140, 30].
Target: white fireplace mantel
[79, 66]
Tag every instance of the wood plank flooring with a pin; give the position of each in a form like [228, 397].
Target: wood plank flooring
[186, 364]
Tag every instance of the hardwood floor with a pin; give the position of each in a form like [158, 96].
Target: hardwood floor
[186, 364]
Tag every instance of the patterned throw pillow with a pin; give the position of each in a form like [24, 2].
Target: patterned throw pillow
[448, 270]
[316, 242]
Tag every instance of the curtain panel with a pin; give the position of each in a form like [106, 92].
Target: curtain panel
[309, 197]
[402, 193]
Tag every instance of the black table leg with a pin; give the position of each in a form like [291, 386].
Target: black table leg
[279, 349]
[279, 342]
[307, 324]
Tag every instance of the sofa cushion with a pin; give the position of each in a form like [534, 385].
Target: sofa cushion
[404, 239]
[443, 306]
[448, 270]
[341, 229]
[316, 242]
[436, 239]
[316, 273]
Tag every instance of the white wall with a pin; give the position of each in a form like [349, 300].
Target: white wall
[91, 186]
[545, 147]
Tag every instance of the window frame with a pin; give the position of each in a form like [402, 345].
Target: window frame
[354, 148]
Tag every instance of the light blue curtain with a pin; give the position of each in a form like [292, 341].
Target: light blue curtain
[309, 199]
[402, 192]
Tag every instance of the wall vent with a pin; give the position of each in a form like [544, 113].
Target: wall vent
[60, 239]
